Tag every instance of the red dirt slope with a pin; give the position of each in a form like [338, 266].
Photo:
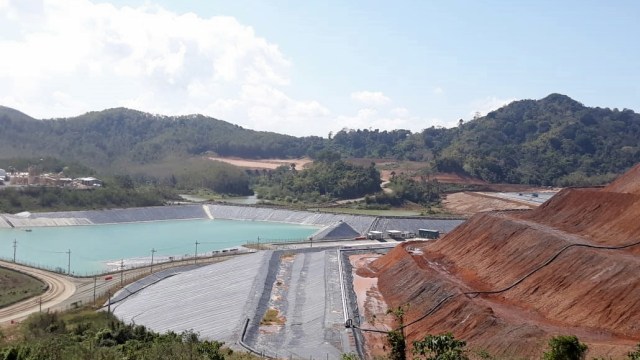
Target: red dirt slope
[627, 183]
[592, 293]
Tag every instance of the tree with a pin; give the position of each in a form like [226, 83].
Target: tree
[563, 347]
[440, 347]
[396, 337]
[635, 354]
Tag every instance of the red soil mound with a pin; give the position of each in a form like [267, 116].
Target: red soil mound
[592, 293]
[627, 183]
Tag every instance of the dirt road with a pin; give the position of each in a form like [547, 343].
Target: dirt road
[263, 163]
[66, 292]
[59, 288]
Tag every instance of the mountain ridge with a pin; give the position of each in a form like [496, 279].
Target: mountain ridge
[552, 141]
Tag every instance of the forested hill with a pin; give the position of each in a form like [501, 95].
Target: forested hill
[552, 141]
[99, 139]
[555, 140]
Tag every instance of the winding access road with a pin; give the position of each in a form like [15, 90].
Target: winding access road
[65, 292]
[59, 288]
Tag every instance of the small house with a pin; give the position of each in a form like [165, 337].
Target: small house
[90, 181]
[375, 235]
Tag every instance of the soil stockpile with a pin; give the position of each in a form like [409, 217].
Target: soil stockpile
[566, 281]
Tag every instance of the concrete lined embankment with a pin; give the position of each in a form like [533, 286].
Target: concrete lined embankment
[359, 223]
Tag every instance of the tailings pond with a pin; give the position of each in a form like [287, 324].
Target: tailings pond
[100, 248]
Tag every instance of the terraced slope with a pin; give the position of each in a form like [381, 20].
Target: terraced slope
[568, 276]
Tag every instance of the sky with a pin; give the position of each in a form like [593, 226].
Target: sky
[315, 67]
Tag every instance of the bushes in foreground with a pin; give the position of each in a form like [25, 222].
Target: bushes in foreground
[90, 335]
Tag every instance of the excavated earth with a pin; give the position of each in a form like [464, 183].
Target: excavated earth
[593, 293]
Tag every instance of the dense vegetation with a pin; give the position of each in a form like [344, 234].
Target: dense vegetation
[327, 179]
[112, 195]
[88, 335]
[121, 137]
[552, 141]
[402, 188]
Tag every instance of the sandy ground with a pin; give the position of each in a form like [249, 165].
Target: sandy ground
[263, 163]
[469, 203]
[371, 305]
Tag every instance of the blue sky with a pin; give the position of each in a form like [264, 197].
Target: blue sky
[304, 68]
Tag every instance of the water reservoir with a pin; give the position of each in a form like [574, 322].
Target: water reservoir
[97, 248]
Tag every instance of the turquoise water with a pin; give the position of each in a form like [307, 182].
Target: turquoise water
[92, 247]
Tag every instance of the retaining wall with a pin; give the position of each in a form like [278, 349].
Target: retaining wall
[360, 223]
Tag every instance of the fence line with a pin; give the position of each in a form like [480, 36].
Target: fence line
[159, 263]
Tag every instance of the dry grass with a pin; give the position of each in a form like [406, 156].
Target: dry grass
[272, 317]
[16, 286]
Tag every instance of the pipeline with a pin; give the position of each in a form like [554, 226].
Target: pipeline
[492, 292]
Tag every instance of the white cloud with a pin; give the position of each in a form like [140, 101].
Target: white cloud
[438, 90]
[397, 118]
[399, 112]
[488, 104]
[370, 97]
[66, 57]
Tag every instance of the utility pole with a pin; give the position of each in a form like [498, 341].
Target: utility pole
[95, 282]
[69, 262]
[153, 251]
[121, 272]
[109, 301]
[196, 255]
[258, 242]
[15, 245]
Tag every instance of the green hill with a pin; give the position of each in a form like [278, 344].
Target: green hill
[124, 138]
[552, 141]
[555, 140]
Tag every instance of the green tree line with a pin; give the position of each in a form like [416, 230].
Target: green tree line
[326, 179]
[552, 141]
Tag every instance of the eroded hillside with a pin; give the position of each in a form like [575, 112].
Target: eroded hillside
[562, 265]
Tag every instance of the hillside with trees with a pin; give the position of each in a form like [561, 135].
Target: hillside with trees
[552, 141]
[122, 137]
[328, 178]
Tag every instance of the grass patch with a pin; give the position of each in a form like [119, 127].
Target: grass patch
[16, 286]
[272, 317]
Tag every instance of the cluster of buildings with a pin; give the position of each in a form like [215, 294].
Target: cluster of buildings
[403, 235]
[33, 178]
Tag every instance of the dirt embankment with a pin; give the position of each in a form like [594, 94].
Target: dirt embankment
[263, 163]
[470, 203]
[591, 293]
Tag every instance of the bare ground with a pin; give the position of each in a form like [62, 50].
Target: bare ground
[371, 305]
[263, 163]
[469, 203]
